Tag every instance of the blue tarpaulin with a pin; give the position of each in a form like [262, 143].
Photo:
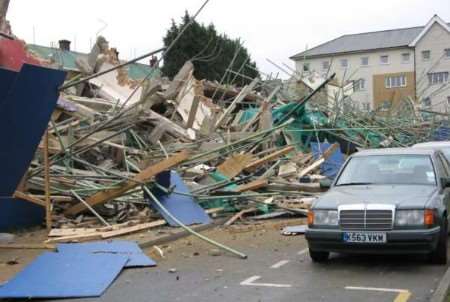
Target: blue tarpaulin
[332, 164]
[183, 207]
[120, 247]
[65, 275]
[27, 100]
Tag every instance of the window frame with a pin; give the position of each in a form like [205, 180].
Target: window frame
[434, 78]
[423, 52]
[342, 61]
[362, 61]
[327, 63]
[387, 60]
[389, 81]
[403, 57]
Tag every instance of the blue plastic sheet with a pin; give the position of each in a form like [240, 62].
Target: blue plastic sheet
[183, 207]
[65, 275]
[27, 100]
[120, 247]
[332, 164]
[24, 115]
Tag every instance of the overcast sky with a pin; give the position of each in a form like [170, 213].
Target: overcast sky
[269, 29]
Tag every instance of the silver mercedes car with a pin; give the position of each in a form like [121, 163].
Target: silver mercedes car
[384, 201]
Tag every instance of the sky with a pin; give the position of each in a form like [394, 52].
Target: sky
[272, 30]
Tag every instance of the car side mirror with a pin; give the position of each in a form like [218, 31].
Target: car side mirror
[445, 181]
[326, 183]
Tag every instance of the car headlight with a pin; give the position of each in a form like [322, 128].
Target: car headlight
[409, 217]
[325, 217]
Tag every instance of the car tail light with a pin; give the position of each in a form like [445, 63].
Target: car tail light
[428, 217]
[310, 217]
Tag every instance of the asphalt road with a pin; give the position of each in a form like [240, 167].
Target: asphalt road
[278, 269]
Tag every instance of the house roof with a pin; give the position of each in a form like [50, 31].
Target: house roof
[393, 38]
[66, 59]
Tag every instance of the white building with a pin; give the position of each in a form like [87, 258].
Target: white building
[386, 66]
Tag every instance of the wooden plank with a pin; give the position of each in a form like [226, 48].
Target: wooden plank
[29, 198]
[241, 96]
[193, 111]
[252, 166]
[144, 176]
[253, 185]
[239, 215]
[234, 165]
[48, 205]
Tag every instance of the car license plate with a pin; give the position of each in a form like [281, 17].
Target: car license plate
[364, 237]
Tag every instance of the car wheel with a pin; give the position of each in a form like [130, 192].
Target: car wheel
[319, 256]
[439, 256]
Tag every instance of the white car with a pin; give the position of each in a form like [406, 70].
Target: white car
[443, 146]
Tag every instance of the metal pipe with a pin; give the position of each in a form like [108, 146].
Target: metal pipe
[210, 241]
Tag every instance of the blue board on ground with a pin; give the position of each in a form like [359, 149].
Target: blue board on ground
[184, 208]
[332, 164]
[65, 275]
[120, 247]
[24, 114]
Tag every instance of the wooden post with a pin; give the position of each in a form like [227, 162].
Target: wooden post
[48, 206]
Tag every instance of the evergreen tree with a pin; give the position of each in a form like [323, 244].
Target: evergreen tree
[210, 52]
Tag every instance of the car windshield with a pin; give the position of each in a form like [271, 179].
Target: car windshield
[388, 169]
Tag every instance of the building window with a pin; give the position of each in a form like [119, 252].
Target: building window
[384, 59]
[325, 65]
[305, 66]
[426, 55]
[395, 81]
[344, 63]
[447, 53]
[426, 102]
[448, 101]
[359, 85]
[437, 78]
[386, 105]
[364, 61]
[406, 57]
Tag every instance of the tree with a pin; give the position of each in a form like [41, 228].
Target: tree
[210, 52]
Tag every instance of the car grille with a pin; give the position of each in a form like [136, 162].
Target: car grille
[370, 220]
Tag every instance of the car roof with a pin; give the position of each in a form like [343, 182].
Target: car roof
[395, 151]
[437, 144]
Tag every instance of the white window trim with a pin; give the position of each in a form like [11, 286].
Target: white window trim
[390, 82]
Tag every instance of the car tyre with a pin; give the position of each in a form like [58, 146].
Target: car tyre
[439, 256]
[319, 256]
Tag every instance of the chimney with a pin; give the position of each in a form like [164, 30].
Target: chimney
[64, 45]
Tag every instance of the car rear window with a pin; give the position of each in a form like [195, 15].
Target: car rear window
[388, 169]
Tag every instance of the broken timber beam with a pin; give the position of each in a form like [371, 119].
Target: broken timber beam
[253, 185]
[319, 161]
[252, 166]
[142, 177]
[30, 198]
